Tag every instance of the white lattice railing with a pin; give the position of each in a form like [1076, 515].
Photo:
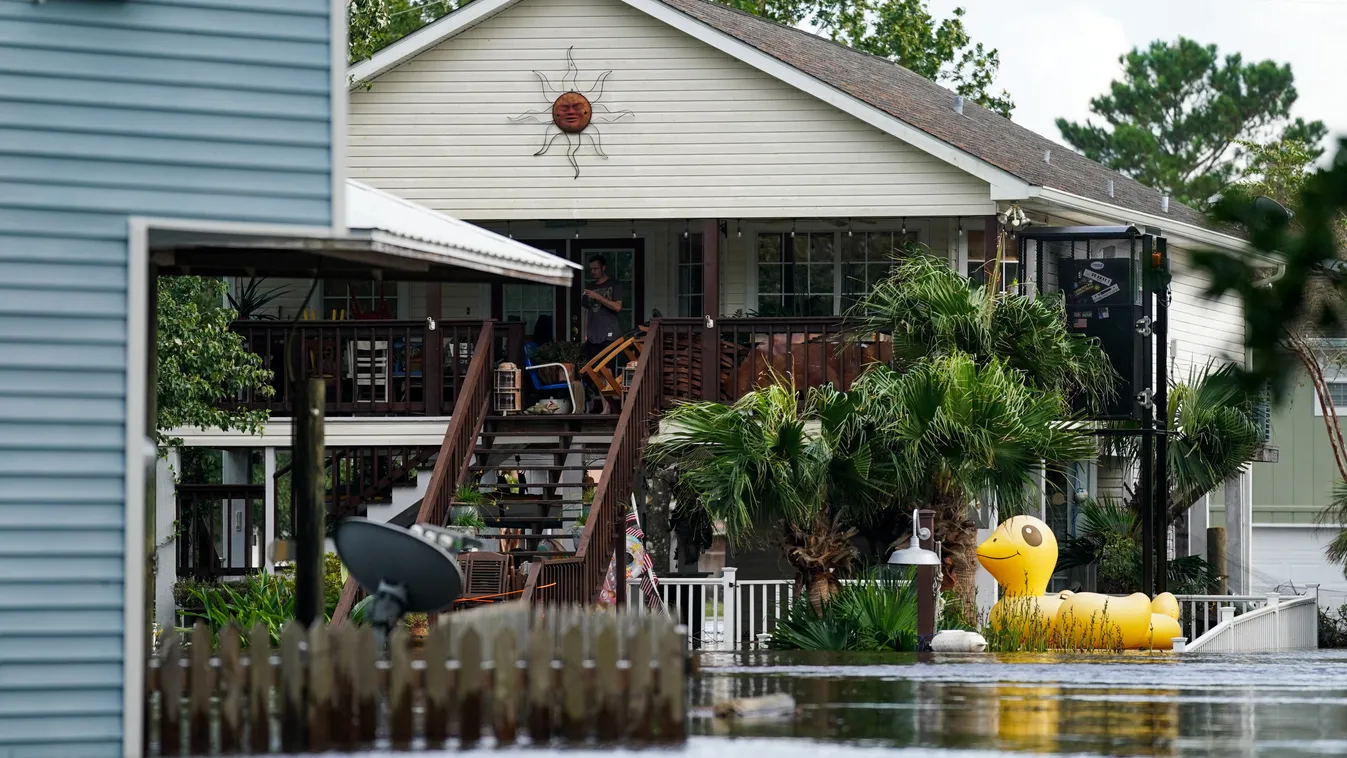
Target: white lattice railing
[1281, 623]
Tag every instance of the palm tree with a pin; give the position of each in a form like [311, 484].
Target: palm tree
[1213, 433]
[954, 431]
[1110, 536]
[931, 310]
[762, 466]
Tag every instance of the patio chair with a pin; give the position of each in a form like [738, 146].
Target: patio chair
[599, 369]
[532, 369]
[367, 366]
[484, 574]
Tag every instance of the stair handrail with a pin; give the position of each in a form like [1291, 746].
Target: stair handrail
[470, 411]
[576, 579]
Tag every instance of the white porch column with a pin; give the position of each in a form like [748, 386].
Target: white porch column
[166, 547]
[269, 507]
[234, 470]
[1239, 530]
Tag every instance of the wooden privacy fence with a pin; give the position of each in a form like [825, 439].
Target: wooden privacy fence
[510, 673]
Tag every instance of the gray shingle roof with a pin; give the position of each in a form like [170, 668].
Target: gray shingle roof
[929, 107]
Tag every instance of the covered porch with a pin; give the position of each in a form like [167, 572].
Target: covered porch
[757, 294]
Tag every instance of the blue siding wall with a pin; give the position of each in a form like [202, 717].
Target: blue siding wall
[209, 109]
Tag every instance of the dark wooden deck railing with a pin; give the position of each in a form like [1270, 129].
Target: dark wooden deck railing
[576, 579]
[208, 534]
[372, 368]
[451, 466]
[812, 351]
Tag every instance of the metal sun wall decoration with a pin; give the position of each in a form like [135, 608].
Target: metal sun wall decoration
[572, 113]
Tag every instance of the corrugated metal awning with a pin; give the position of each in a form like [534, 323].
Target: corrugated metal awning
[387, 238]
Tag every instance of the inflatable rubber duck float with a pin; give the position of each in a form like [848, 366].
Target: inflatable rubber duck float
[1022, 554]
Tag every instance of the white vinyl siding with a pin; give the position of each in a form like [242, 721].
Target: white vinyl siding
[1200, 329]
[709, 136]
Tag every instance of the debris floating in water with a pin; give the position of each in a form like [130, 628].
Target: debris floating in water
[777, 706]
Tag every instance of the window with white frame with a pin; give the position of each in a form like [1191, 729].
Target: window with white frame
[689, 276]
[867, 257]
[359, 299]
[797, 274]
[1337, 392]
[527, 303]
[822, 273]
[979, 268]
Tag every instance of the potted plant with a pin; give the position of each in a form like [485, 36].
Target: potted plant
[251, 299]
[568, 353]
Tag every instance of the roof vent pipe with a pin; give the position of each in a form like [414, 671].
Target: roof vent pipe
[1110, 188]
[958, 104]
[1164, 203]
[1047, 156]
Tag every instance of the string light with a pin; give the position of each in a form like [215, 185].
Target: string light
[685, 229]
[848, 226]
[792, 228]
[960, 227]
[508, 230]
[738, 228]
[633, 228]
[904, 226]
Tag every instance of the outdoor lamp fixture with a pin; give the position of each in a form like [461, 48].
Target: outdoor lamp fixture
[1013, 219]
[628, 376]
[508, 387]
[914, 554]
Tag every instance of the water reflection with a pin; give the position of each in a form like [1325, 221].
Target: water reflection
[1152, 705]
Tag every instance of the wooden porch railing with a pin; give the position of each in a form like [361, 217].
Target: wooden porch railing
[813, 351]
[576, 579]
[371, 368]
[455, 452]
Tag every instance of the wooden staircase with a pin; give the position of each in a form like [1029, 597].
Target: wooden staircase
[555, 451]
[553, 456]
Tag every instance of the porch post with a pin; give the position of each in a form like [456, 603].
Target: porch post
[269, 507]
[710, 309]
[432, 362]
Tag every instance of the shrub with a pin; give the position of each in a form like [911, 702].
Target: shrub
[1333, 627]
[877, 613]
[268, 599]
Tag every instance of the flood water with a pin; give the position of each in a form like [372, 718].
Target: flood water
[1286, 704]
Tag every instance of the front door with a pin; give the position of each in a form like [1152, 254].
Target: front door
[626, 264]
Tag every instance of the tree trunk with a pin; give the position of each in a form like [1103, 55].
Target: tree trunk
[958, 536]
[821, 585]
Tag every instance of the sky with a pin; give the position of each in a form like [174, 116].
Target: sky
[1057, 54]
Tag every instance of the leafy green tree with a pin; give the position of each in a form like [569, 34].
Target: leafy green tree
[1312, 306]
[1176, 120]
[903, 31]
[374, 24]
[202, 362]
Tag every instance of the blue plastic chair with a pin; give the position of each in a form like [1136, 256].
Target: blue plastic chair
[531, 369]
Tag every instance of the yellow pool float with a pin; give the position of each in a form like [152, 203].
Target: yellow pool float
[1022, 554]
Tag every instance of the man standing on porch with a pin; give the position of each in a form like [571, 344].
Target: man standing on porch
[603, 301]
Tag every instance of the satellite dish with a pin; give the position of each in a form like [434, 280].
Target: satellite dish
[405, 571]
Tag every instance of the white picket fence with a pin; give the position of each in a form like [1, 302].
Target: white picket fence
[727, 613]
[1289, 622]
